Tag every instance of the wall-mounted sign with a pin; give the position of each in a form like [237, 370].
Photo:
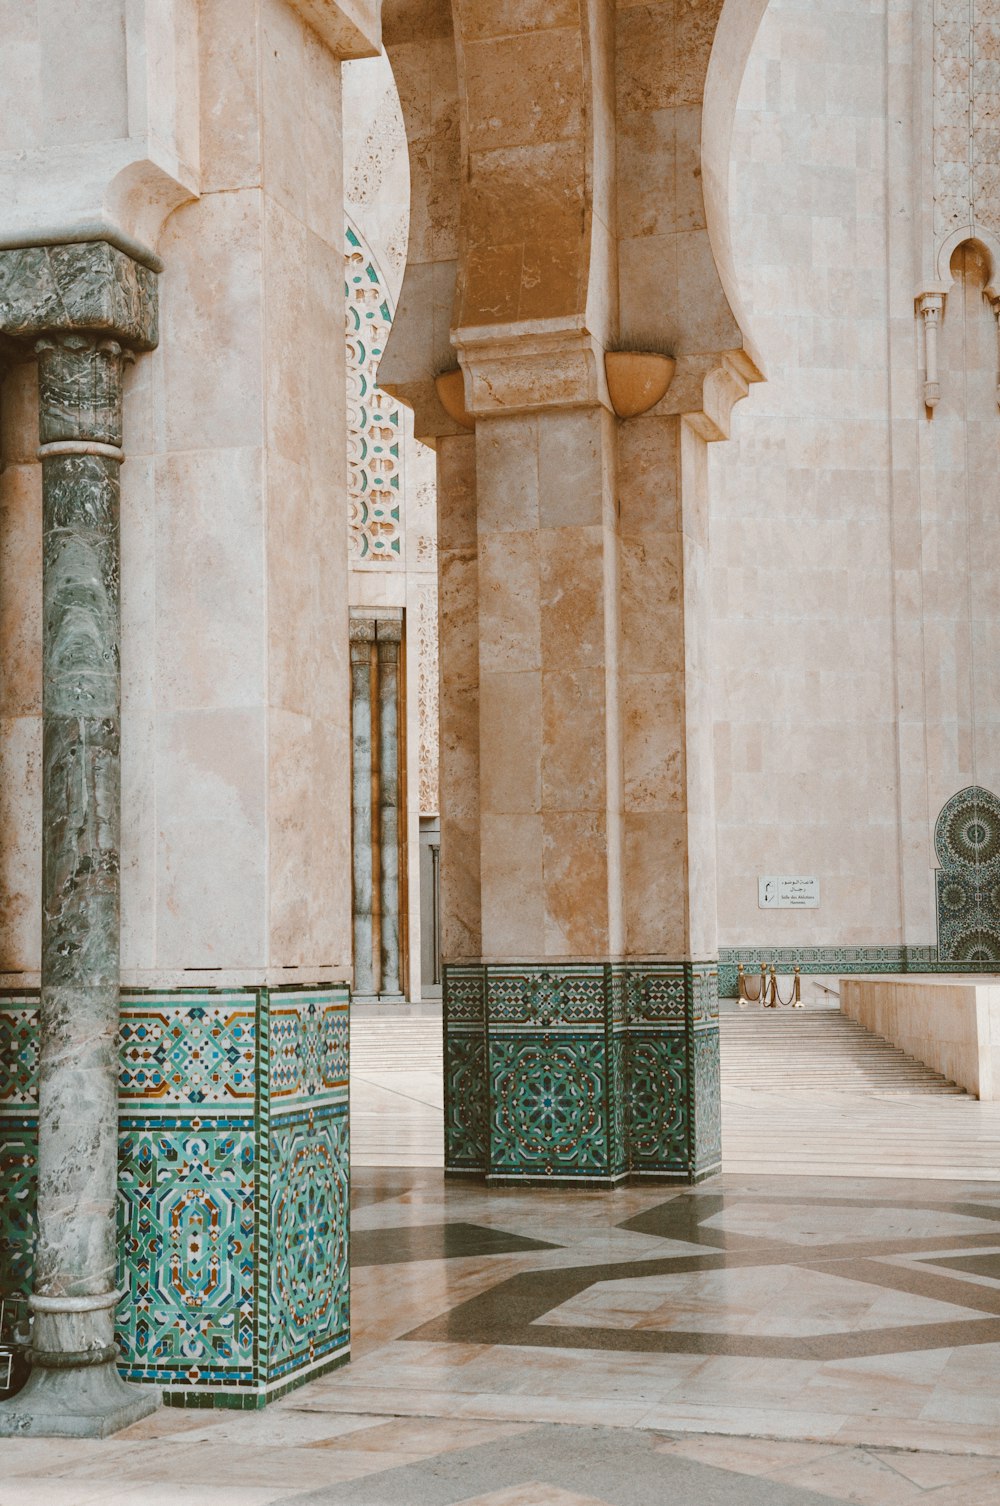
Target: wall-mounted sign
[776, 892]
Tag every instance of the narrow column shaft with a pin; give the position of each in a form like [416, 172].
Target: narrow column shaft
[389, 639]
[458, 638]
[80, 385]
[362, 635]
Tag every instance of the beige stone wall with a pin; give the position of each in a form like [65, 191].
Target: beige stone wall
[805, 704]
[238, 752]
[236, 841]
[853, 531]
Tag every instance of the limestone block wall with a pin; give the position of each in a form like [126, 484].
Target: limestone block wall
[234, 578]
[806, 778]
[851, 537]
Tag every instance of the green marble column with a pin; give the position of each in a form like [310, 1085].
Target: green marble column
[82, 309]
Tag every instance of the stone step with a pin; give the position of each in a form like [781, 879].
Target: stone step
[822, 1051]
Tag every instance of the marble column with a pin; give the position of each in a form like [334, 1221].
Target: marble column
[363, 848]
[83, 309]
[389, 639]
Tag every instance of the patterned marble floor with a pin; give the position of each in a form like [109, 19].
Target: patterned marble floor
[756, 1341]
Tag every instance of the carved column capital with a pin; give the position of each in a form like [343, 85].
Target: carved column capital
[88, 288]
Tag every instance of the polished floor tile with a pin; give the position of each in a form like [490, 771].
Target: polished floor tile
[754, 1341]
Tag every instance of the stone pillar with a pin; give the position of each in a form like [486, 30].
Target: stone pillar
[465, 1098]
[581, 1043]
[363, 858]
[534, 1025]
[83, 308]
[375, 679]
[668, 871]
[389, 640]
[458, 630]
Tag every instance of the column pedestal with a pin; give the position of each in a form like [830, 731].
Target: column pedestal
[582, 1073]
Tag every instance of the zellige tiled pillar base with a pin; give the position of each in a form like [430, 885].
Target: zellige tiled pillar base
[582, 1073]
[233, 1195]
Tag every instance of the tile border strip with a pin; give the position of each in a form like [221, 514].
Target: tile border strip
[840, 959]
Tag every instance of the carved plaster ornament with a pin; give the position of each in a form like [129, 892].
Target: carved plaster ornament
[959, 139]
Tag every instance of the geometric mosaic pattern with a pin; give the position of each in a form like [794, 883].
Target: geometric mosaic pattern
[310, 1220]
[233, 1185]
[589, 1072]
[967, 843]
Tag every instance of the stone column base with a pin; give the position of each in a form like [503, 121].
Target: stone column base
[582, 1073]
[88, 1401]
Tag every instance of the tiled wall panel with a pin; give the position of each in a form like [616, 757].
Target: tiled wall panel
[587, 1072]
[233, 1185]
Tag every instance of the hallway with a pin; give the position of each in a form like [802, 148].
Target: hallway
[808, 1121]
[754, 1342]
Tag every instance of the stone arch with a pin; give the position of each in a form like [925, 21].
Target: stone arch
[735, 35]
[375, 427]
[419, 41]
[988, 244]
[967, 845]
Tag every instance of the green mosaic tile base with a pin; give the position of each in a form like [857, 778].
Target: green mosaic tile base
[233, 1185]
[582, 1073]
[837, 959]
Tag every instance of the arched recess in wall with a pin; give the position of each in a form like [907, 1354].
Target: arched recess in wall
[975, 302]
[739, 23]
[375, 431]
[967, 844]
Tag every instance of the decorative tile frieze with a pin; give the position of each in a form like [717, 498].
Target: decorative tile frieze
[579, 1072]
[707, 1101]
[18, 1140]
[233, 1180]
[656, 1099]
[200, 1053]
[539, 996]
[18, 1200]
[465, 1102]
[892, 958]
[18, 1051]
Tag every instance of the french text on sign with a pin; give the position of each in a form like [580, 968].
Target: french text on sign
[784, 892]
